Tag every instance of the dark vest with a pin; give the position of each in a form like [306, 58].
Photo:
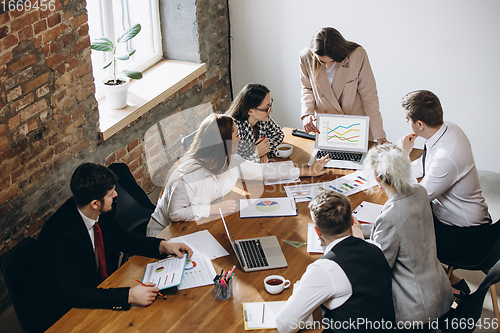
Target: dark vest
[370, 306]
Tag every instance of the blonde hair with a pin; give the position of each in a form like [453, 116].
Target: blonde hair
[391, 165]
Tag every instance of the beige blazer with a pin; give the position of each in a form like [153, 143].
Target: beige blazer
[353, 91]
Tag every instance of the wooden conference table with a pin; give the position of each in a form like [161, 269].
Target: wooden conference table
[196, 310]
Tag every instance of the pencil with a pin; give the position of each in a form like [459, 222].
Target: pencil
[159, 294]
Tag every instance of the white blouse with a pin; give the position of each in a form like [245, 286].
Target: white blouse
[187, 196]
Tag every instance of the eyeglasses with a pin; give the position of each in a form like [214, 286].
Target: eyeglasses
[268, 109]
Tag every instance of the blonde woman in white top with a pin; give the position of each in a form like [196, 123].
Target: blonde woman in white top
[209, 170]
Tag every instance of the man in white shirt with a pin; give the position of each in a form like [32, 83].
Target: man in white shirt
[461, 219]
[352, 282]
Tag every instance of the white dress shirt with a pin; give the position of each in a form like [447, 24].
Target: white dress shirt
[324, 282]
[189, 195]
[89, 223]
[451, 178]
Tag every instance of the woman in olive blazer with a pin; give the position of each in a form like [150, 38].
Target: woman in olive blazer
[351, 91]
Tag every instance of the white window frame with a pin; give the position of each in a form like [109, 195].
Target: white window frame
[107, 27]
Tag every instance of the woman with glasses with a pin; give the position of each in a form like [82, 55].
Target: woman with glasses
[209, 170]
[259, 134]
[337, 78]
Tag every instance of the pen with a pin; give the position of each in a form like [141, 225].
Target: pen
[159, 294]
[263, 308]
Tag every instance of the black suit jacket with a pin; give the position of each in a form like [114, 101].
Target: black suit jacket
[69, 264]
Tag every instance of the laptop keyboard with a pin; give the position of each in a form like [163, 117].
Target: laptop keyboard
[253, 253]
[340, 155]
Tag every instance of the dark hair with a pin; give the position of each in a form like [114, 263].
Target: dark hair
[91, 181]
[423, 105]
[332, 212]
[329, 42]
[248, 98]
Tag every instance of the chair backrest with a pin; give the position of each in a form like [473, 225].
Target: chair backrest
[494, 254]
[17, 266]
[472, 305]
[187, 140]
[132, 208]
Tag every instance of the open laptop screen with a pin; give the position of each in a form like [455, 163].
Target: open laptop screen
[342, 132]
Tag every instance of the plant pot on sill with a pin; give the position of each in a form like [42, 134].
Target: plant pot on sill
[116, 94]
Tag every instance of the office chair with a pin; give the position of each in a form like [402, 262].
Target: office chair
[187, 140]
[18, 269]
[132, 208]
[484, 265]
[469, 309]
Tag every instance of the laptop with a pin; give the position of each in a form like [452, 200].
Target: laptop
[344, 138]
[256, 254]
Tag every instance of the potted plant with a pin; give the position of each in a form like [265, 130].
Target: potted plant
[116, 87]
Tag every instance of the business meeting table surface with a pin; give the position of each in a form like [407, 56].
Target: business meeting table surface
[196, 309]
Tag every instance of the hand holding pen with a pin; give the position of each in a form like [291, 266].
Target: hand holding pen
[150, 284]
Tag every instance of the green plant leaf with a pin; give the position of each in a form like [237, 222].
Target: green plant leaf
[122, 56]
[108, 64]
[133, 74]
[102, 44]
[131, 52]
[129, 33]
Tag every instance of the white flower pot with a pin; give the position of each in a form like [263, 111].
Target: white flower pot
[116, 96]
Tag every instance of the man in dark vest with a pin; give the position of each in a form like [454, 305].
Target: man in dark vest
[351, 282]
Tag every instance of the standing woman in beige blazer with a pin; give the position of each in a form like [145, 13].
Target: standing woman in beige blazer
[337, 78]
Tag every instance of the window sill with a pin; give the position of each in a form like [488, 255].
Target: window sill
[157, 84]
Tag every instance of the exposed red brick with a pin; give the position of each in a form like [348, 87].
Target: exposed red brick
[206, 84]
[5, 181]
[14, 94]
[35, 83]
[55, 59]
[27, 100]
[54, 47]
[4, 31]
[40, 26]
[42, 91]
[26, 20]
[4, 143]
[61, 147]
[120, 153]
[81, 45]
[79, 147]
[4, 18]
[68, 39]
[53, 20]
[25, 33]
[46, 49]
[133, 144]
[37, 41]
[8, 42]
[52, 34]
[16, 13]
[70, 128]
[83, 30]
[32, 110]
[7, 194]
[79, 20]
[5, 57]
[3, 132]
[32, 124]
[18, 78]
[127, 159]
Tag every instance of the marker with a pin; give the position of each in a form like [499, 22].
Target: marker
[148, 286]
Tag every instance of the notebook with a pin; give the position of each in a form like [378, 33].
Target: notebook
[344, 138]
[256, 254]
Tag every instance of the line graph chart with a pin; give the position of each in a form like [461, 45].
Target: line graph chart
[343, 133]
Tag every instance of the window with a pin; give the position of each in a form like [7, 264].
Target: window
[110, 18]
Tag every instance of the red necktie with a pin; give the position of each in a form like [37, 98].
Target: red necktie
[99, 245]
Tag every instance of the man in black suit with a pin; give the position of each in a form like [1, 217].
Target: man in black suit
[79, 235]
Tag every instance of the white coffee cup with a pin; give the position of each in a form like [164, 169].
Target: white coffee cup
[275, 284]
[284, 150]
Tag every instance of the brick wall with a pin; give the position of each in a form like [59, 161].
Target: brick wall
[49, 121]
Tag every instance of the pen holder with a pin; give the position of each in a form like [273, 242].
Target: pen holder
[223, 291]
